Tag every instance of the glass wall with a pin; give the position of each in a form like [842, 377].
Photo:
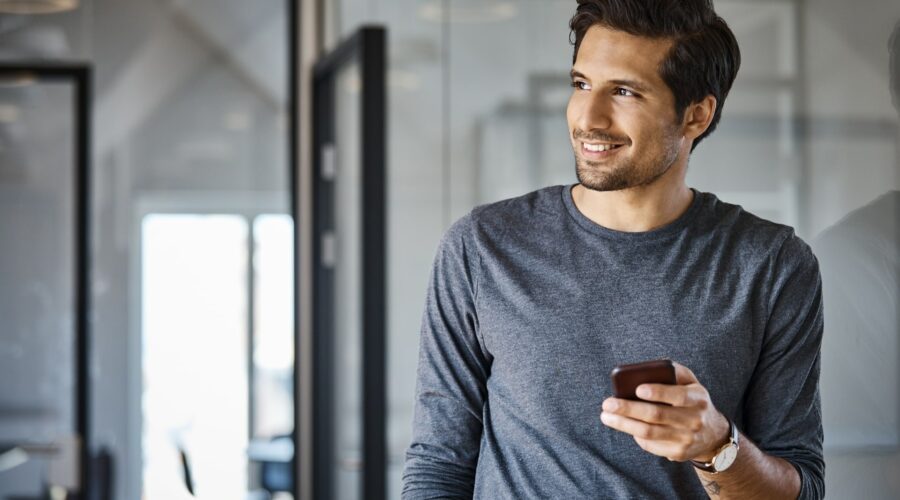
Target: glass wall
[38, 285]
[809, 138]
[192, 334]
[347, 371]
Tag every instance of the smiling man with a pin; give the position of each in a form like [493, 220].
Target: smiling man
[534, 300]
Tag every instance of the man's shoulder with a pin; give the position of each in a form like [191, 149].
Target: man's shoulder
[523, 211]
[490, 222]
[753, 234]
[546, 201]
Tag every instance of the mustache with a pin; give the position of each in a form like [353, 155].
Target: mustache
[599, 136]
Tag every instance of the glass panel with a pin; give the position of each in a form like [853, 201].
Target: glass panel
[347, 341]
[37, 271]
[854, 215]
[417, 166]
[195, 399]
[758, 118]
[190, 101]
[190, 117]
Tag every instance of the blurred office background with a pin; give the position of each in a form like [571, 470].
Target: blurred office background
[199, 118]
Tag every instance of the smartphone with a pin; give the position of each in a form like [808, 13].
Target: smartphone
[626, 378]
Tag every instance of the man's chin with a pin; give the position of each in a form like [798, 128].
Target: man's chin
[603, 182]
[615, 177]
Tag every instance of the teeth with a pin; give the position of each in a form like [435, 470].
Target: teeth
[598, 147]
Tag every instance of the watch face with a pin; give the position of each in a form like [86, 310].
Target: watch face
[724, 459]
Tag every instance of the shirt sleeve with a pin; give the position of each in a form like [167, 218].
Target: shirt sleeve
[453, 368]
[782, 408]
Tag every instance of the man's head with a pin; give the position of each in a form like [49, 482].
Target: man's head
[650, 79]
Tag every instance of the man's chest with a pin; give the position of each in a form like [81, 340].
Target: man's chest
[561, 328]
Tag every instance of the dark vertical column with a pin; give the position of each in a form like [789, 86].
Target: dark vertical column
[374, 133]
[83, 82]
[293, 164]
[367, 47]
[323, 293]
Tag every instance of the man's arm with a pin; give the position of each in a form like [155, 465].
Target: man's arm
[781, 408]
[742, 480]
[688, 427]
[452, 376]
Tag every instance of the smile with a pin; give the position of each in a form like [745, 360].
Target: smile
[600, 147]
[599, 150]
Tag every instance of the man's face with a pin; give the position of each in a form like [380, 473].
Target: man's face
[620, 101]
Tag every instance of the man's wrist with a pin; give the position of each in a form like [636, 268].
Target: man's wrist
[724, 432]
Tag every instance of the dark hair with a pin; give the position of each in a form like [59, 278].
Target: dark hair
[704, 58]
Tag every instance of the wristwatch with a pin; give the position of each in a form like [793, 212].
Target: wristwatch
[724, 457]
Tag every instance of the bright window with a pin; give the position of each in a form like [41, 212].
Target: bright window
[195, 396]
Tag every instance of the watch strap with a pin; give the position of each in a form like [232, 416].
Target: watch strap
[732, 440]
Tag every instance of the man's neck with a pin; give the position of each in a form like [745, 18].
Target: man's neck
[635, 209]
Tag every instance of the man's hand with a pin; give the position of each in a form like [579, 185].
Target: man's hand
[690, 429]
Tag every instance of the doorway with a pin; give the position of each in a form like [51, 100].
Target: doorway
[216, 352]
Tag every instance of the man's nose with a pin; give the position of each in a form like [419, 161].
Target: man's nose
[595, 113]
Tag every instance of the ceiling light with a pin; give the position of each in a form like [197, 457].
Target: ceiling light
[36, 6]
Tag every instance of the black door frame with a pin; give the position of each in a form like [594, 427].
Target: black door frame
[79, 75]
[367, 47]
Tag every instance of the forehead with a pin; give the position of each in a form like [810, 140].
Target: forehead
[605, 54]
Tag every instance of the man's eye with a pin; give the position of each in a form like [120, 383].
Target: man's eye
[578, 85]
[624, 92]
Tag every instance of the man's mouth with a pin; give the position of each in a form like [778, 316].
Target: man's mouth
[599, 150]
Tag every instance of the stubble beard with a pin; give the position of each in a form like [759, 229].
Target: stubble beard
[625, 174]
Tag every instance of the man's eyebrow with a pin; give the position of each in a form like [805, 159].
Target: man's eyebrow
[636, 85]
[576, 74]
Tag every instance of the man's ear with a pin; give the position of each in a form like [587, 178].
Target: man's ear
[698, 116]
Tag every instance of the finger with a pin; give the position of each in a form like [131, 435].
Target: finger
[653, 413]
[675, 395]
[683, 375]
[675, 452]
[643, 430]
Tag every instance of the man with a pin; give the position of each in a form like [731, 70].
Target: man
[532, 301]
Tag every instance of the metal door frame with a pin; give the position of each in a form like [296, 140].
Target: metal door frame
[79, 75]
[367, 47]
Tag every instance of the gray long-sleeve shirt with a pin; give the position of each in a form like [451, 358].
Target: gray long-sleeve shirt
[531, 304]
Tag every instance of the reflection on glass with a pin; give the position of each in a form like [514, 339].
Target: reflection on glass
[347, 364]
[859, 255]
